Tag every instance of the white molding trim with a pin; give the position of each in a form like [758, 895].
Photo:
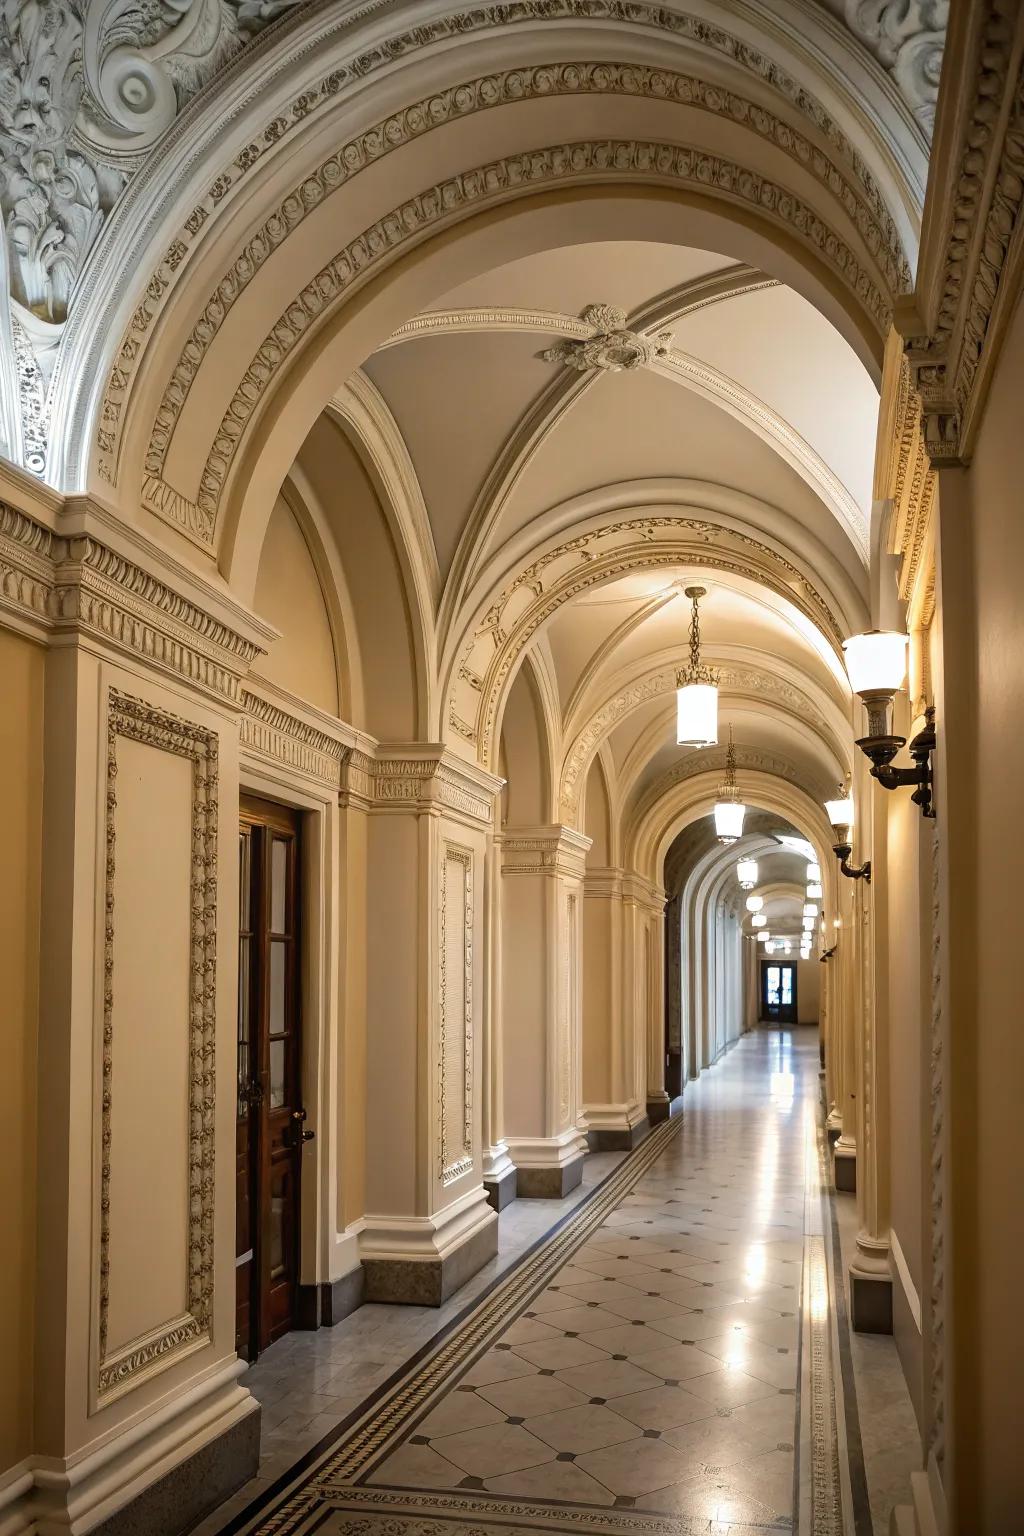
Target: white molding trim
[903, 1270]
[425, 1237]
[547, 1151]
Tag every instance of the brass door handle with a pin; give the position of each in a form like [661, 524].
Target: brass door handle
[298, 1117]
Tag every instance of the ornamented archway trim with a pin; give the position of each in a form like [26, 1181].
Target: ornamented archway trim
[858, 193]
[747, 681]
[487, 659]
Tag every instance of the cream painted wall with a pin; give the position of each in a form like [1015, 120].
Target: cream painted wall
[289, 596]
[524, 1004]
[597, 999]
[21, 747]
[808, 990]
[981, 555]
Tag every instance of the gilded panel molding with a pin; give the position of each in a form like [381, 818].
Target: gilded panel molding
[455, 1036]
[135, 720]
[840, 170]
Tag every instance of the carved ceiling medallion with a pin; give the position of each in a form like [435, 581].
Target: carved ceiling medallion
[612, 348]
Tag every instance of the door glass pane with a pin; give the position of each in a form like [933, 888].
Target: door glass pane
[277, 1082]
[787, 986]
[773, 986]
[278, 972]
[244, 877]
[278, 885]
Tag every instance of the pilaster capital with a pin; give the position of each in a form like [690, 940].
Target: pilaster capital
[616, 884]
[546, 850]
[421, 777]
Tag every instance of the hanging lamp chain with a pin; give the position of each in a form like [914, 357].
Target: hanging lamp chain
[695, 635]
[696, 672]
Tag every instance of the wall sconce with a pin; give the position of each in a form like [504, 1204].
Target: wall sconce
[840, 814]
[876, 663]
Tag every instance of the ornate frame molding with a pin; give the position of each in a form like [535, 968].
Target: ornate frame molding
[135, 720]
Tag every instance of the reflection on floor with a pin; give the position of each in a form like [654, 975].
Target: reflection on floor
[662, 1362]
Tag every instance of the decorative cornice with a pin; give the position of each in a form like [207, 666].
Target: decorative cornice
[54, 583]
[907, 38]
[430, 779]
[907, 479]
[969, 274]
[276, 734]
[550, 850]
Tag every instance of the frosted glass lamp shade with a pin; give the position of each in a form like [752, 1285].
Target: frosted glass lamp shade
[840, 812]
[810, 909]
[746, 874]
[876, 662]
[697, 715]
[729, 820]
[814, 892]
[755, 903]
[813, 873]
[808, 924]
[764, 936]
[758, 920]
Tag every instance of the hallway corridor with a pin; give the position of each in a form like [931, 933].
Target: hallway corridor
[647, 1367]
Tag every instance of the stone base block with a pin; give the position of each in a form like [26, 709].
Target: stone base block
[549, 1183]
[429, 1282]
[658, 1109]
[501, 1190]
[844, 1166]
[182, 1497]
[870, 1303]
[323, 1305]
[623, 1140]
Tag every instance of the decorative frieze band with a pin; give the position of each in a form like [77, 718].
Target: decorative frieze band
[272, 732]
[554, 850]
[50, 582]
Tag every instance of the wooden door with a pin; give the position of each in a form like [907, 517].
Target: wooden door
[270, 1118]
[778, 991]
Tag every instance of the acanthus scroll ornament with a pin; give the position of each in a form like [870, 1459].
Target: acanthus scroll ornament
[612, 348]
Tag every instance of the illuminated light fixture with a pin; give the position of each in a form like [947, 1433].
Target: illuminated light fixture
[837, 922]
[755, 903]
[808, 925]
[813, 873]
[813, 891]
[746, 874]
[758, 920]
[840, 814]
[764, 937]
[786, 946]
[810, 909]
[729, 812]
[876, 663]
[696, 689]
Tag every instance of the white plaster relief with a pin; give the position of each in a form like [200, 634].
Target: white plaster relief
[907, 38]
[610, 346]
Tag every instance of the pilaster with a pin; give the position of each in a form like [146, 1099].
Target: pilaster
[428, 814]
[542, 882]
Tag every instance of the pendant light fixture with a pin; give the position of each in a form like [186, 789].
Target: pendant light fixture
[729, 812]
[746, 874]
[754, 903]
[697, 689]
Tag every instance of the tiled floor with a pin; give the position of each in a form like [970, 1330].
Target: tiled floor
[659, 1369]
[653, 1381]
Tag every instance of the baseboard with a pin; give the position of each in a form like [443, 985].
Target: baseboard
[619, 1140]
[552, 1183]
[162, 1475]
[501, 1190]
[429, 1282]
[327, 1303]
